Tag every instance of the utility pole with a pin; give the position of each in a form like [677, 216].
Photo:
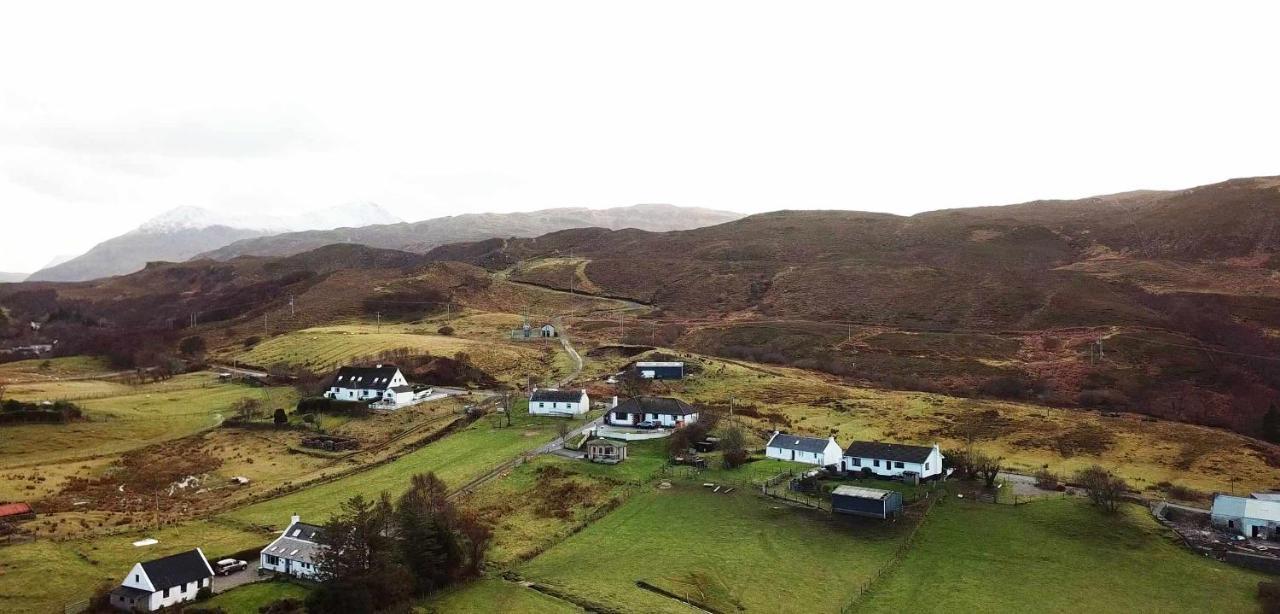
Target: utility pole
[265, 329]
[291, 311]
[622, 329]
[379, 321]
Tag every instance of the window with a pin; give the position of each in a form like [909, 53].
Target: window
[926, 466]
[137, 578]
[857, 462]
[898, 465]
[876, 462]
[273, 559]
[166, 593]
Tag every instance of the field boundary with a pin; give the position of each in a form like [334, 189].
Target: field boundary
[895, 559]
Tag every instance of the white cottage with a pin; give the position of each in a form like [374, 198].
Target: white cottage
[163, 582]
[552, 402]
[383, 383]
[893, 459]
[652, 411]
[294, 552]
[809, 450]
[1247, 516]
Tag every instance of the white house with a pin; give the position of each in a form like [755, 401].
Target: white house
[1247, 516]
[548, 330]
[161, 583]
[893, 459]
[382, 383]
[659, 411]
[810, 450]
[294, 552]
[552, 402]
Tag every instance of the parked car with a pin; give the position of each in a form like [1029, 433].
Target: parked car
[648, 424]
[226, 567]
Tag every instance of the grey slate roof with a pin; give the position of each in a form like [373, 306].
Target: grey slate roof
[177, 569]
[365, 378]
[405, 388]
[889, 451]
[655, 405]
[298, 543]
[798, 443]
[547, 395]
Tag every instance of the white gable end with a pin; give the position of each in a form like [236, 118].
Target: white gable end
[137, 578]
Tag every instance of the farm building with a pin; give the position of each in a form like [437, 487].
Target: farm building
[293, 553]
[552, 402]
[660, 370]
[893, 460]
[869, 502]
[164, 582]
[605, 451]
[15, 512]
[810, 450]
[548, 330]
[652, 411]
[1247, 516]
[528, 331]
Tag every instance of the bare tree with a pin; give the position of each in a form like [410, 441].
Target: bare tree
[247, 408]
[986, 466]
[1105, 490]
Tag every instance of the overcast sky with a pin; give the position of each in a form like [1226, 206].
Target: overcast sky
[113, 112]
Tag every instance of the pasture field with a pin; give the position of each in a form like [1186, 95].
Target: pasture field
[1055, 555]
[1144, 451]
[43, 369]
[325, 348]
[487, 595]
[145, 415]
[248, 598]
[725, 551]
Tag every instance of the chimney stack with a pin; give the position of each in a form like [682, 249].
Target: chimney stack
[295, 519]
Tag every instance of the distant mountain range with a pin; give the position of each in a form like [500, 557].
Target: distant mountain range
[6, 278]
[181, 233]
[420, 237]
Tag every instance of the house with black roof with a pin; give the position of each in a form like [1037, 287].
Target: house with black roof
[383, 385]
[656, 411]
[893, 460]
[294, 552]
[552, 402]
[163, 582]
[800, 449]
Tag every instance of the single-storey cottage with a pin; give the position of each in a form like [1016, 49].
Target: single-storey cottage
[869, 502]
[163, 582]
[294, 552]
[652, 411]
[1247, 516]
[893, 459]
[809, 450]
[552, 402]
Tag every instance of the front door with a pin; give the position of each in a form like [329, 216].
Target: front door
[1259, 531]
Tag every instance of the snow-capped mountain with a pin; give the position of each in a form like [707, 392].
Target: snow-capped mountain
[178, 234]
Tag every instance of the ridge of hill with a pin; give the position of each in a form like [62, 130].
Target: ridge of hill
[426, 234]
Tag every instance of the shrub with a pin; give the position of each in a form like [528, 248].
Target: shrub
[323, 405]
[251, 341]
[445, 330]
[280, 418]
[1047, 480]
[192, 346]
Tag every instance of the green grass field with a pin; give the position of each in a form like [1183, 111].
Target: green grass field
[731, 551]
[1057, 555]
[141, 416]
[248, 598]
[490, 595]
[41, 369]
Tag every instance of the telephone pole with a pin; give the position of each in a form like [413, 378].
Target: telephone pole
[291, 311]
[379, 321]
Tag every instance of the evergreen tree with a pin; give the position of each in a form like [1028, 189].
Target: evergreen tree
[1271, 424]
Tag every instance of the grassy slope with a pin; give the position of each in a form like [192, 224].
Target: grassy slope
[248, 598]
[145, 415]
[1055, 556]
[486, 596]
[758, 554]
[41, 369]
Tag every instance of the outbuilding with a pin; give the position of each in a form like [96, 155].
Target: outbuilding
[606, 451]
[808, 450]
[868, 502]
[1247, 516]
[660, 370]
[14, 512]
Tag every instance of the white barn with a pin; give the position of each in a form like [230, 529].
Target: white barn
[1247, 516]
[163, 582]
[808, 450]
[893, 459]
[661, 411]
[552, 402]
[382, 383]
[294, 552]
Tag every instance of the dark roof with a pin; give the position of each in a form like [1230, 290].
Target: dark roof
[655, 405]
[303, 531]
[606, 442]
[798, 443]
[889, 451]
[370, 378]
[405, 388]
[549, 395]
[177, 569]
